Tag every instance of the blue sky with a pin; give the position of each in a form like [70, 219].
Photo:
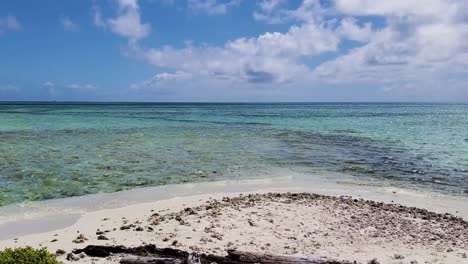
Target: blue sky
[233, 50]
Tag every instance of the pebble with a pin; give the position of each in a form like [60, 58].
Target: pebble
[60, 252]
[102, 237]
[80, 239]
[72, 257]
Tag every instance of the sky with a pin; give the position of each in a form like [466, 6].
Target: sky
[234, 50]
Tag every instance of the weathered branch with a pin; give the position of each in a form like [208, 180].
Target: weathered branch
[248, 257]
[150, 254]
[149, 260]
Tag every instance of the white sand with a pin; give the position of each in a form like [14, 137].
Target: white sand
[278, 228]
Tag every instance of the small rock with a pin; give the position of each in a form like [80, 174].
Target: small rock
[217, 236]
[102, 237]
[201, 174]
[60, 252]
[80, 239]
[71, 257]
[126, 227]
[195, 248]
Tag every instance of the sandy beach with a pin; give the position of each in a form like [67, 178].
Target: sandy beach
[282, 223]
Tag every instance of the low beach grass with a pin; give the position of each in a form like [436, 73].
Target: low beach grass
[27, 255]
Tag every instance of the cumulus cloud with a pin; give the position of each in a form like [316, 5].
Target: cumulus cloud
[276, 11]
[270, 57]
[212, 7]
[68, 24]
[9, 23]
[417, 42]
[399, 43]
[393, 8]
[267, 9]
[268, 6]
[158, 82]
[349, 29]
[127, 23]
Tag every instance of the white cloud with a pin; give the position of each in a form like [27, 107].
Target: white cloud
[274, 12]
[132, 4]
[269, 5]
[9, 23]
[165, 76]
[48, 84]
[395, 7]
[267, 11]
[97, 16]
[83, 87]
[49, 87]
[69, 25]
[158, 82]
[60, 90]
[417, 42]
[271, 57]
[396, 45]
[212, 7]
[349, 29]
[127, 23]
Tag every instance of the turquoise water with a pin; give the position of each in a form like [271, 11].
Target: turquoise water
[61, 150]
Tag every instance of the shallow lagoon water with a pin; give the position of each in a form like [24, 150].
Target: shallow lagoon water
[56, 150]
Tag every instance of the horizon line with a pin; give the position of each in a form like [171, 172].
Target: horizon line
[231, 102]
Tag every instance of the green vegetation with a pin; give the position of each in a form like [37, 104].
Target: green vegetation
[27, 255]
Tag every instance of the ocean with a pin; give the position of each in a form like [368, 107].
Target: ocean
[56, 150]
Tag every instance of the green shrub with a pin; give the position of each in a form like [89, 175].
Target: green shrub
[27, 255]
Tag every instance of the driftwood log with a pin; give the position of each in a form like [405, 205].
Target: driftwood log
[247, 257]
[150, 254]
[150, 260]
